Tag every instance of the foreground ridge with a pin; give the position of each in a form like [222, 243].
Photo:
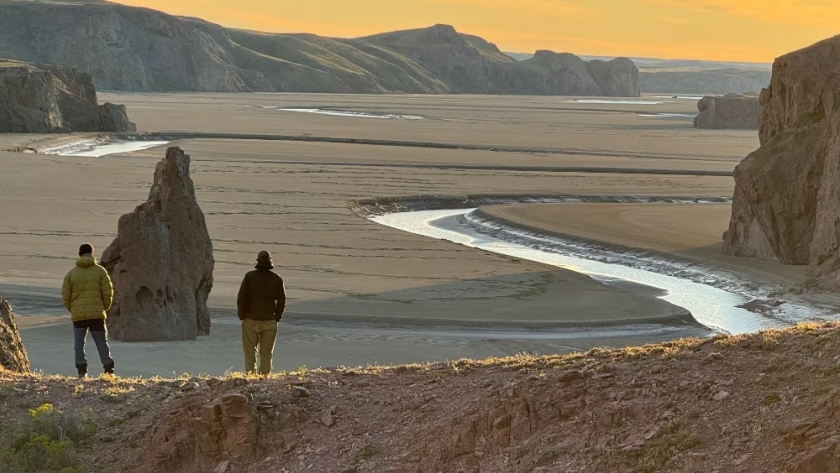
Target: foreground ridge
[761, 402]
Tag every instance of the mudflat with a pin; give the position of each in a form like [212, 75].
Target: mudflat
[359, 292]
[675, 228]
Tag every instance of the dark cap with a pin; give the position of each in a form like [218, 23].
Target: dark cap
[264, 260]
[86, 249]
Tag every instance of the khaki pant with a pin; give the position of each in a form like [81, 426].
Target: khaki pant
[262, 334]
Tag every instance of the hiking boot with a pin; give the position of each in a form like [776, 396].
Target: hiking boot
[82, 370]
[109, 368]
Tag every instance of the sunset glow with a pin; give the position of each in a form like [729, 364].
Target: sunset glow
[735, 30]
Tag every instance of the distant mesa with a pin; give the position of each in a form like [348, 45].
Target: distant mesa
[50, 99]
[787, 193]
[138, 49]
[691, 76]
[162, 262]
[702, 81]
[731, 111]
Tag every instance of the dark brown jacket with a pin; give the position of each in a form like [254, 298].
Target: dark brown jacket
[262, 296]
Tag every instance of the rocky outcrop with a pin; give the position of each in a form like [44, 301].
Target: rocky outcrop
[47, 99]
[161, 262]
[13, 355]
[211, 437]
[786, 205]
[731, 111]
[137, 49]
[616, 78]
[567, 74]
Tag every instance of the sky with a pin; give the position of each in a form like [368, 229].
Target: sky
[726, 30]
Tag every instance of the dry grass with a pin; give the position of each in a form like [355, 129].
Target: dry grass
[765, 340]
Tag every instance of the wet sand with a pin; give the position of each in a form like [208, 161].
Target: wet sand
[675, 228]
[345, 273]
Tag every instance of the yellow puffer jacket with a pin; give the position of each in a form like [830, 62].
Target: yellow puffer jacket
[87, 290]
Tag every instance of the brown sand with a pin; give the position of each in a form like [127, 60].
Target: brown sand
[345, 274]
[677, 228]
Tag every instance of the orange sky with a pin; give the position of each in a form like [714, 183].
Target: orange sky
[736, 30]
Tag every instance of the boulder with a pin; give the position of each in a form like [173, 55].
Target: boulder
[786, 205]
[12, 354]
[48, 99]
[731, 111]
[161, 262]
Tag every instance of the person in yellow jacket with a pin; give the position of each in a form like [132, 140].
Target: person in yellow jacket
[87, 292]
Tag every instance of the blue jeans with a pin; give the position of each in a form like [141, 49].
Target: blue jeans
[100, 337]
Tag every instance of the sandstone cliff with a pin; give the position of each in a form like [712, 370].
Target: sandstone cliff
[12, 354]
[731, 111]
[137, 49]
[46, 99]
[787, 193]
[161, 262]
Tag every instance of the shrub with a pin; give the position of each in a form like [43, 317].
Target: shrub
[45, 441]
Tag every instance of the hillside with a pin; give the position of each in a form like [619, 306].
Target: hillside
[138, 49]
[762, 402]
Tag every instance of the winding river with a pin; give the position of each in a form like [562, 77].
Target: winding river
[709, 301]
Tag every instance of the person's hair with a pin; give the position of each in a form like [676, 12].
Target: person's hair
[86, 249]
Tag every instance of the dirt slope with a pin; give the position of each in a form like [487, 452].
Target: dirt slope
[765, 402]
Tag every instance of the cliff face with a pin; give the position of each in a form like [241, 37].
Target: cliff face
[137, 49]
[46, 99]
[728, 112]
[123, 48]
[787, 196]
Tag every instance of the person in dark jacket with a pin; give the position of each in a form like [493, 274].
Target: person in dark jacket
[87, 294]
[261, 303]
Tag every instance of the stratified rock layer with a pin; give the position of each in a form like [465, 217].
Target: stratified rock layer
[731, 111]
[47, 99]
[786, 205]
[12, 354]
[161, 262]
